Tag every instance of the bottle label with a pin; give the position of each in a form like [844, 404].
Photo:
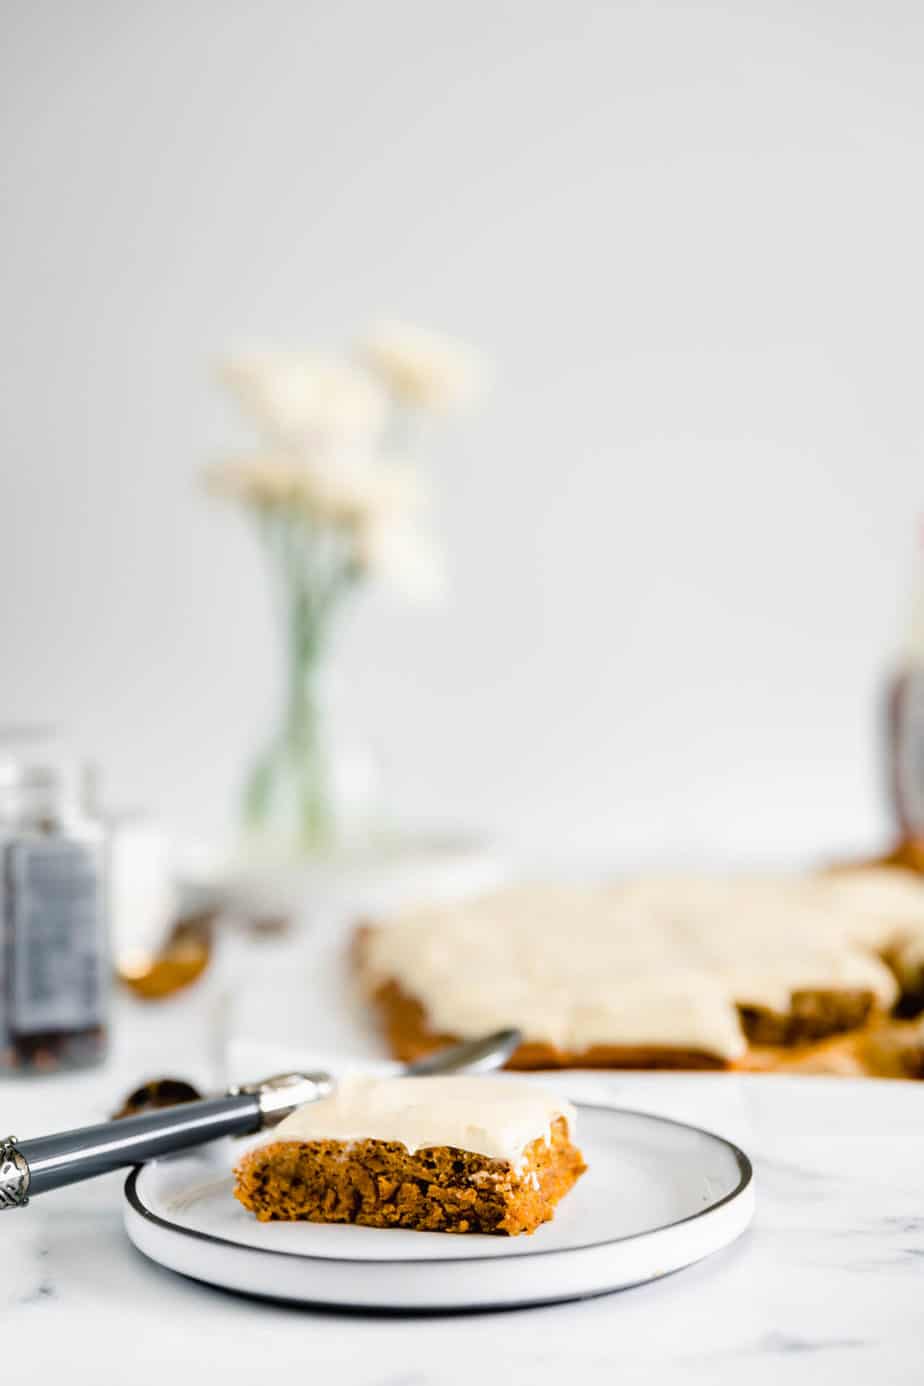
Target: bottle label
[56, 938]
[909, 752]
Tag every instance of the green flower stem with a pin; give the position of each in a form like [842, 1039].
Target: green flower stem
[287, 793]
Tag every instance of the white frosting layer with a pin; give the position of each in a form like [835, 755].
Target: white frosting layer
[652, 961]
[494, 1117]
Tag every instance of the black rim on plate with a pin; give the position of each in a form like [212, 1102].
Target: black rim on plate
[745, 1177]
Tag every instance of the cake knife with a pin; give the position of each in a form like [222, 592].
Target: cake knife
[68, 1157]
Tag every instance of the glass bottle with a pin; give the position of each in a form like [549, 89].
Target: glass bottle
[54, 981]
[905, 725]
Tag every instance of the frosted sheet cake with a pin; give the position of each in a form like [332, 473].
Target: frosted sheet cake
[651, 972]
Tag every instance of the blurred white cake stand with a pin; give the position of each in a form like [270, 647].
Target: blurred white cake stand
[383, 875]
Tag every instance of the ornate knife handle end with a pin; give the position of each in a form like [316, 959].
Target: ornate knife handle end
[14, 1176]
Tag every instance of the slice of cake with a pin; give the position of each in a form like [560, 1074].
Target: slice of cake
[457, 1154]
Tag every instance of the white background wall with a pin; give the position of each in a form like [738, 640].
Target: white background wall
[690, 235]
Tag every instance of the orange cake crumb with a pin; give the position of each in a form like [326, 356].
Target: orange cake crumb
[381, 1184]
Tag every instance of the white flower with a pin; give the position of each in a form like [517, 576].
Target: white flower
[303, 400]
[376, 507]
[422, 368]
[325, 492]
[321, 474]
[260, 480]
[355, 489]
[404, 556]
[386, 505]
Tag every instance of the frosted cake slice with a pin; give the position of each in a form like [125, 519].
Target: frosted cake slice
[455, 1154]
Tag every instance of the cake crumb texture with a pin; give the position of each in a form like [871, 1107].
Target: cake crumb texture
[380, 1184]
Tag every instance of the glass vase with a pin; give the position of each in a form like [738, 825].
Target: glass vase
[309, 793]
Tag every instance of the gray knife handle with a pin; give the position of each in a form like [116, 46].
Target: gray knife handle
[49, 1162]
[70, 1156]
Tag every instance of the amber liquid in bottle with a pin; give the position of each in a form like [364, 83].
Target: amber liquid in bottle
[905, 746]
[905, 727]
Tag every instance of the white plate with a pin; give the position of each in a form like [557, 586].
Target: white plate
[656, 1197]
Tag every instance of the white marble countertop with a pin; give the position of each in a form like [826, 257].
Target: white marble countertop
[827, 1285]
